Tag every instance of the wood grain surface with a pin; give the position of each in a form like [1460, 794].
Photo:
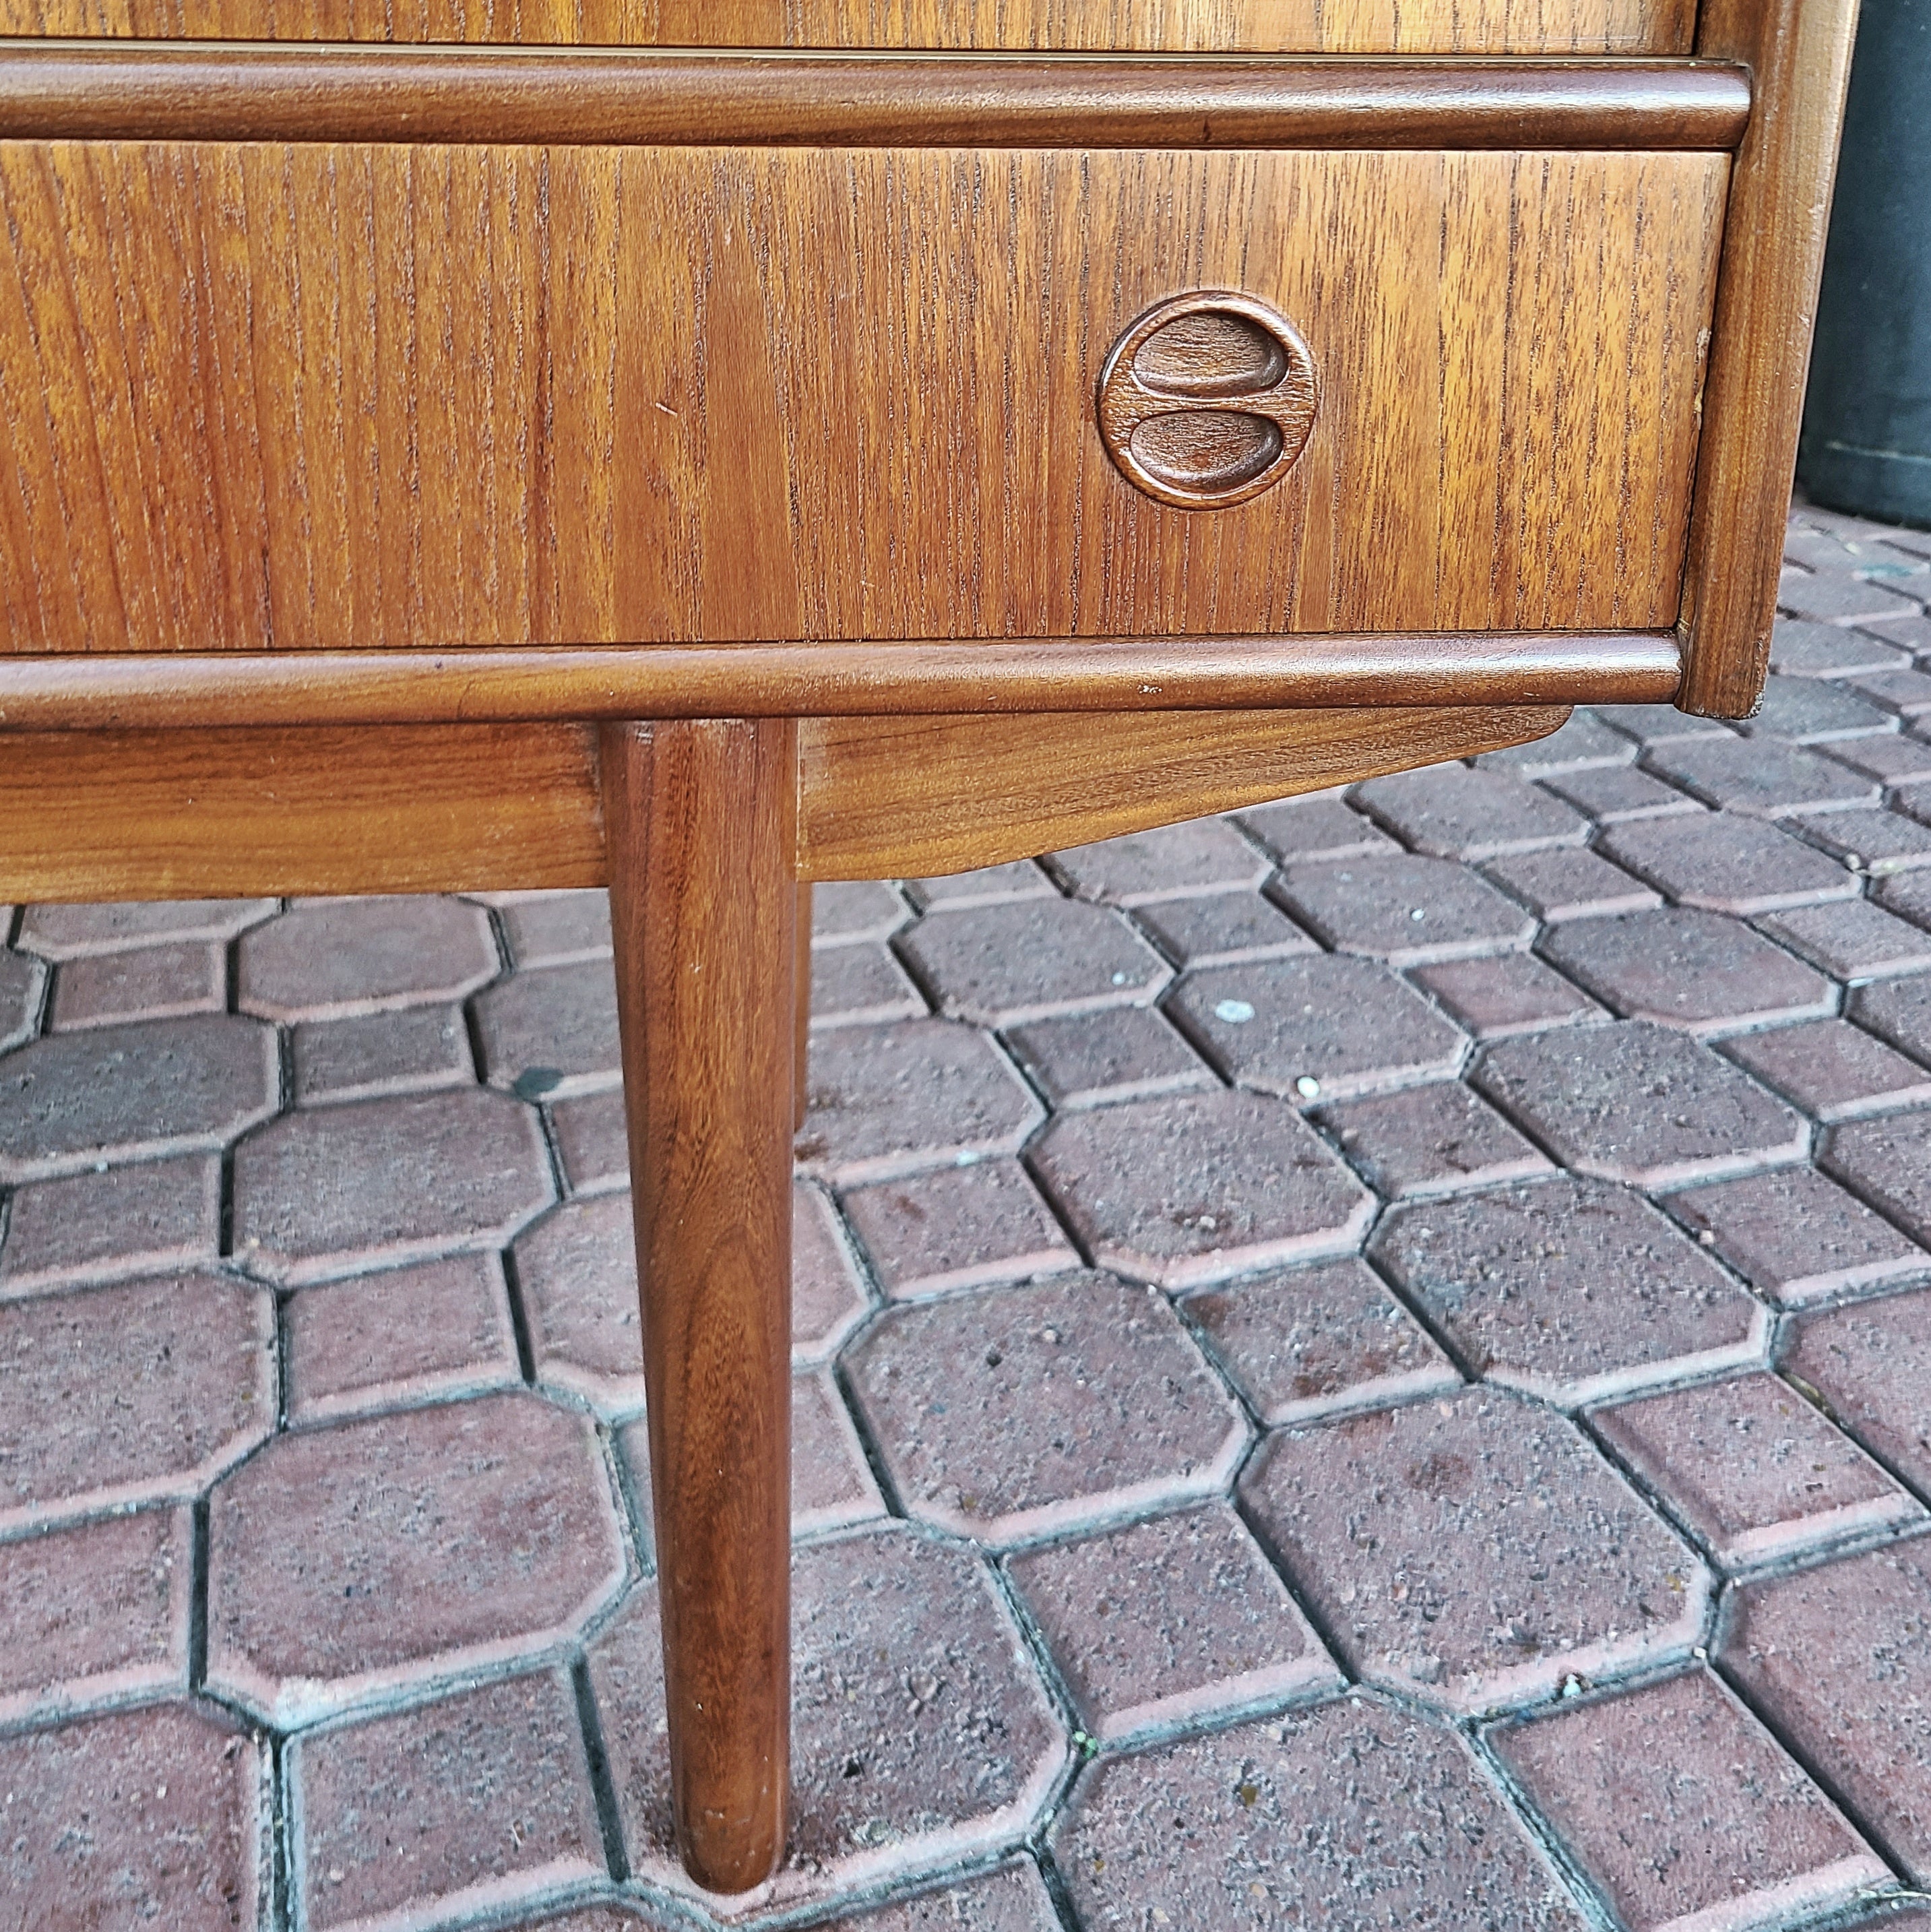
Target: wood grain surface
[911, 797]
[184, 814]
[702, 830]
[264, 91]
[1197, 26]
[320, 397]
[83, 692]
[1766, 311]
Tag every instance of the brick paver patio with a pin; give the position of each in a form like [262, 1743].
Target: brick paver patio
[1364, 1365]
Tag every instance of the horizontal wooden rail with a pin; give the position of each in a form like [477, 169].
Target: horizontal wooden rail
[61, 90]
[80, 692]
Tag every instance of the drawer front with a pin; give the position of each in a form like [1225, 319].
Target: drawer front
[1291, 26]
[314, 396]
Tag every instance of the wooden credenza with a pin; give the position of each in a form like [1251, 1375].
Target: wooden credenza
[702, 446]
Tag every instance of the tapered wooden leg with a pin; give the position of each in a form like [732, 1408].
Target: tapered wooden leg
[801, 1069]
[700, 829]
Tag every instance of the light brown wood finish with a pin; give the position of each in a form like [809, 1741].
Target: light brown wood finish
[702, 825]
[69, 90]
[1766, 309]
[243, 814]
[1194, 26]
[402, 397]
[87, 692]
[182, 814]
[914, 797]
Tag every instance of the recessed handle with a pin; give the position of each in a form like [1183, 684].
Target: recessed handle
[1207, 399]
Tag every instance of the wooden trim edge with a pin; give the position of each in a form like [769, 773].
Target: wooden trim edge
[81, 692]
[1772, 260]
[149, 91]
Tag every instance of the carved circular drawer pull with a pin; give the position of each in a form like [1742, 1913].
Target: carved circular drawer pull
[1207, 399]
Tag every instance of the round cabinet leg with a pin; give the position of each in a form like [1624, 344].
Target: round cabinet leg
[700, 824]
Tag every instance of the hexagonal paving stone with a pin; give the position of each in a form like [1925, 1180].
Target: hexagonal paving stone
[1404, 910]
[155, 983]
[1795, 1237]
[1436, 1139]
[96, 1614]
[1801, 647]
[860, 985]
[1018, 1411]
[1085, 1060]
[1199, 1187]
[328, 958]
[346, 1563]
[156, 1817]
[577, 1271]
[1648, 724]
[1171, 1619]
[1696, 970]
[1511, 993]
[987, 885]
[1571, 882]
[1201, 855]
[921, 1735]
[889, 1100]
[1760, 776]
[496, 1792]
[1319, 1027]
[343, 1189]
[1752, 1470]
[1013, 1899]
[1613, 795]
[1888, 1161]
[391, 1340]
[958, 1227]
[1685, 1812]
[1453, 812]
[1585, 743]
[1724, 863]
[1313, 828]
[1830, 1069]
[124, 1093]
[829, 1296]
[77, 931]
[552, 1032]
[1030, 958]
[1222, 929]
[23, 986]
[1838, 1658]
[1304, 1342]
[555, 928]
[1389, 1819]
[1899, 1011]
[1638, 1102]
[1879, 843]
[413, 1050]
[116, 1395]
[1810, 712]
[1854, 941]
[1572, 1290]
[1474, 1551]
[1869, 1363]
[105, 1226]
[845, 909]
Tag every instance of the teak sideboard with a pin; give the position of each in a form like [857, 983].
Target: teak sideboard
[703, 446]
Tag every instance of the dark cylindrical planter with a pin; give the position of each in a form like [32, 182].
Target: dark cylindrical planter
[1866, 444]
